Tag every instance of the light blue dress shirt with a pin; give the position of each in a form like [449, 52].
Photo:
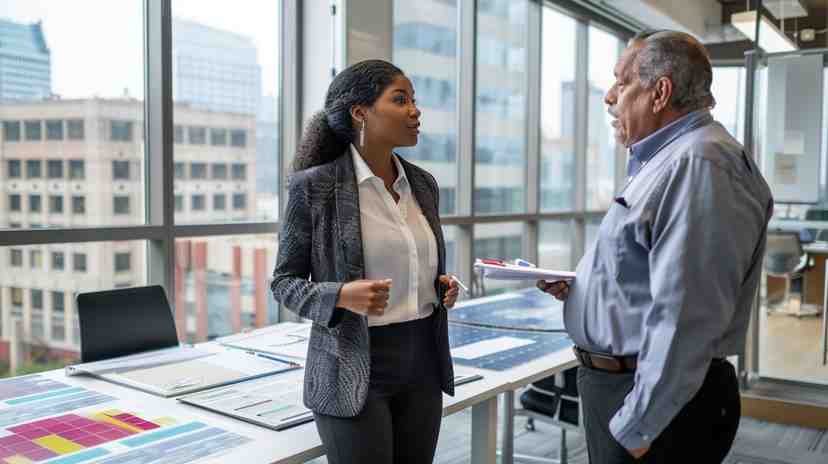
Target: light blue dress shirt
[673, 273]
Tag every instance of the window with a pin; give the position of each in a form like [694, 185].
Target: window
[238, 138]
[728, 89]
[219, 202]
[555, 239]
[33, 169]
[557, 131]
[501, 109]
[198, 170]
[11, 131]
[226, 96]
[16, 296]
[178, 134]
[74, 129]
[33, 130]
[120, 204]
[16, 257]
[54, 129]
[601, 145]
[219, 171]
[501, 241]
[239, 201]
[54, 169]
[123, 262]
[14, 169]
[37, 298]
[34, 203]
[56, 204]
[58, 262]
[77, 170]
[78, 204]
[179, 170]
[14, 202]
[58, 316]
[218, 137]
[427, 50]
[35, 259]
[197, 202]
[79, 262]
[198, 135]
[120, 170]
[179, 203]
[239, 171]
[120, 131]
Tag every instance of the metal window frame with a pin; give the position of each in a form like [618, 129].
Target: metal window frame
[160, 230]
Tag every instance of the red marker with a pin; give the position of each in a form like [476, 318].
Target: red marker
[495, 262]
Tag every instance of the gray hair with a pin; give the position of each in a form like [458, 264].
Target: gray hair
[683, 59]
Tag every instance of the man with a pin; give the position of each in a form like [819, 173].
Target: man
[664, 295]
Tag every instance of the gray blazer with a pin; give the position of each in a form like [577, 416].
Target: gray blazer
[320, 249]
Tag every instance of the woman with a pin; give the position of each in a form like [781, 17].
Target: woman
[363, 224]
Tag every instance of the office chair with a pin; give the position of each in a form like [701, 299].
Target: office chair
[553, 400]
[784, 258]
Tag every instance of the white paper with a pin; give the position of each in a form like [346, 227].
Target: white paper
[512, 272]
[487, 347]
[290, 341]
[138, 361]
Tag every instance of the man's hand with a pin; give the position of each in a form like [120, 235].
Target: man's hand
[639, 452]
[451, 293]
[559, 289]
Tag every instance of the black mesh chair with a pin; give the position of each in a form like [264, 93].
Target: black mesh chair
[553, 400]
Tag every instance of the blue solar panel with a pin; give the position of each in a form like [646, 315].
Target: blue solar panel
[524, 309]
[528, 308]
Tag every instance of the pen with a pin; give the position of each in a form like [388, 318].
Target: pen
[496, 262]
[463, 287]
[274, 358]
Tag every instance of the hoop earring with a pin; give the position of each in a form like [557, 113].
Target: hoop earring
[362, 135]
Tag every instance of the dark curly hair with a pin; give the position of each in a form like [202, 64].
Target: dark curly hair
[329, 131]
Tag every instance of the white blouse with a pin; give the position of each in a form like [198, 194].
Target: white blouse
[397, 244]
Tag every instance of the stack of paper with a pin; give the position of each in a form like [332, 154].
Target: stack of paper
[508, 271]
[287, 340]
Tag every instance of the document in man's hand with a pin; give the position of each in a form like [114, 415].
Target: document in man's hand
[501, 270]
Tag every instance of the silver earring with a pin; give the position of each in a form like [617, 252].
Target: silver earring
[362, 135]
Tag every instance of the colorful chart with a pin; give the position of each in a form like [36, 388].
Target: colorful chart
[46, 420]
[32, 397]
[76, 438]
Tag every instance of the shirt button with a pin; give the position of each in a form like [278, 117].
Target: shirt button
[645, 437]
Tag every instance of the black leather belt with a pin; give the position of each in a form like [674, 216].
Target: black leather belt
[606, 362]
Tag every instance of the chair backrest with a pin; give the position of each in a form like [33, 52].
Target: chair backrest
[124, 321]
[783, 252]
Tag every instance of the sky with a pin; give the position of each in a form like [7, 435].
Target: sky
[97, 45]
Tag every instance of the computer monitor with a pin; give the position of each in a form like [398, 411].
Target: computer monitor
[124, 321]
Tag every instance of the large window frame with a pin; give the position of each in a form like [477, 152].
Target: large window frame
[161, 232]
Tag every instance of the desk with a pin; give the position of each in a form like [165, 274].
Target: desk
[301, 443]
[822, 250]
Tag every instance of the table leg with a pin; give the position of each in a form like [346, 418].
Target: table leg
[484, 432]
[507, 446]
[825, 319]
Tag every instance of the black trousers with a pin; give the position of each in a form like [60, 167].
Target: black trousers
[702, 432]
[400, 421]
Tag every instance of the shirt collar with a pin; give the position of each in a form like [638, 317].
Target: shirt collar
[645, 148]
[364, 172]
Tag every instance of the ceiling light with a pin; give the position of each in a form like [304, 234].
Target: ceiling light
[771, 39]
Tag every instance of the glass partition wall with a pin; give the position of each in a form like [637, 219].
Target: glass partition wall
[789, 142]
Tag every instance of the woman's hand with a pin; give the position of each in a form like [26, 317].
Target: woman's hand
[451, 293]
[365, 297]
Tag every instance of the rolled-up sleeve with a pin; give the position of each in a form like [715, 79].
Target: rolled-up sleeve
[701, 245]
[291, 285]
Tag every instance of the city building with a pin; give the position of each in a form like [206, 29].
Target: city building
[81, 163]
[25, 62]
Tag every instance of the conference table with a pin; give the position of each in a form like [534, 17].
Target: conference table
[541, 355]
